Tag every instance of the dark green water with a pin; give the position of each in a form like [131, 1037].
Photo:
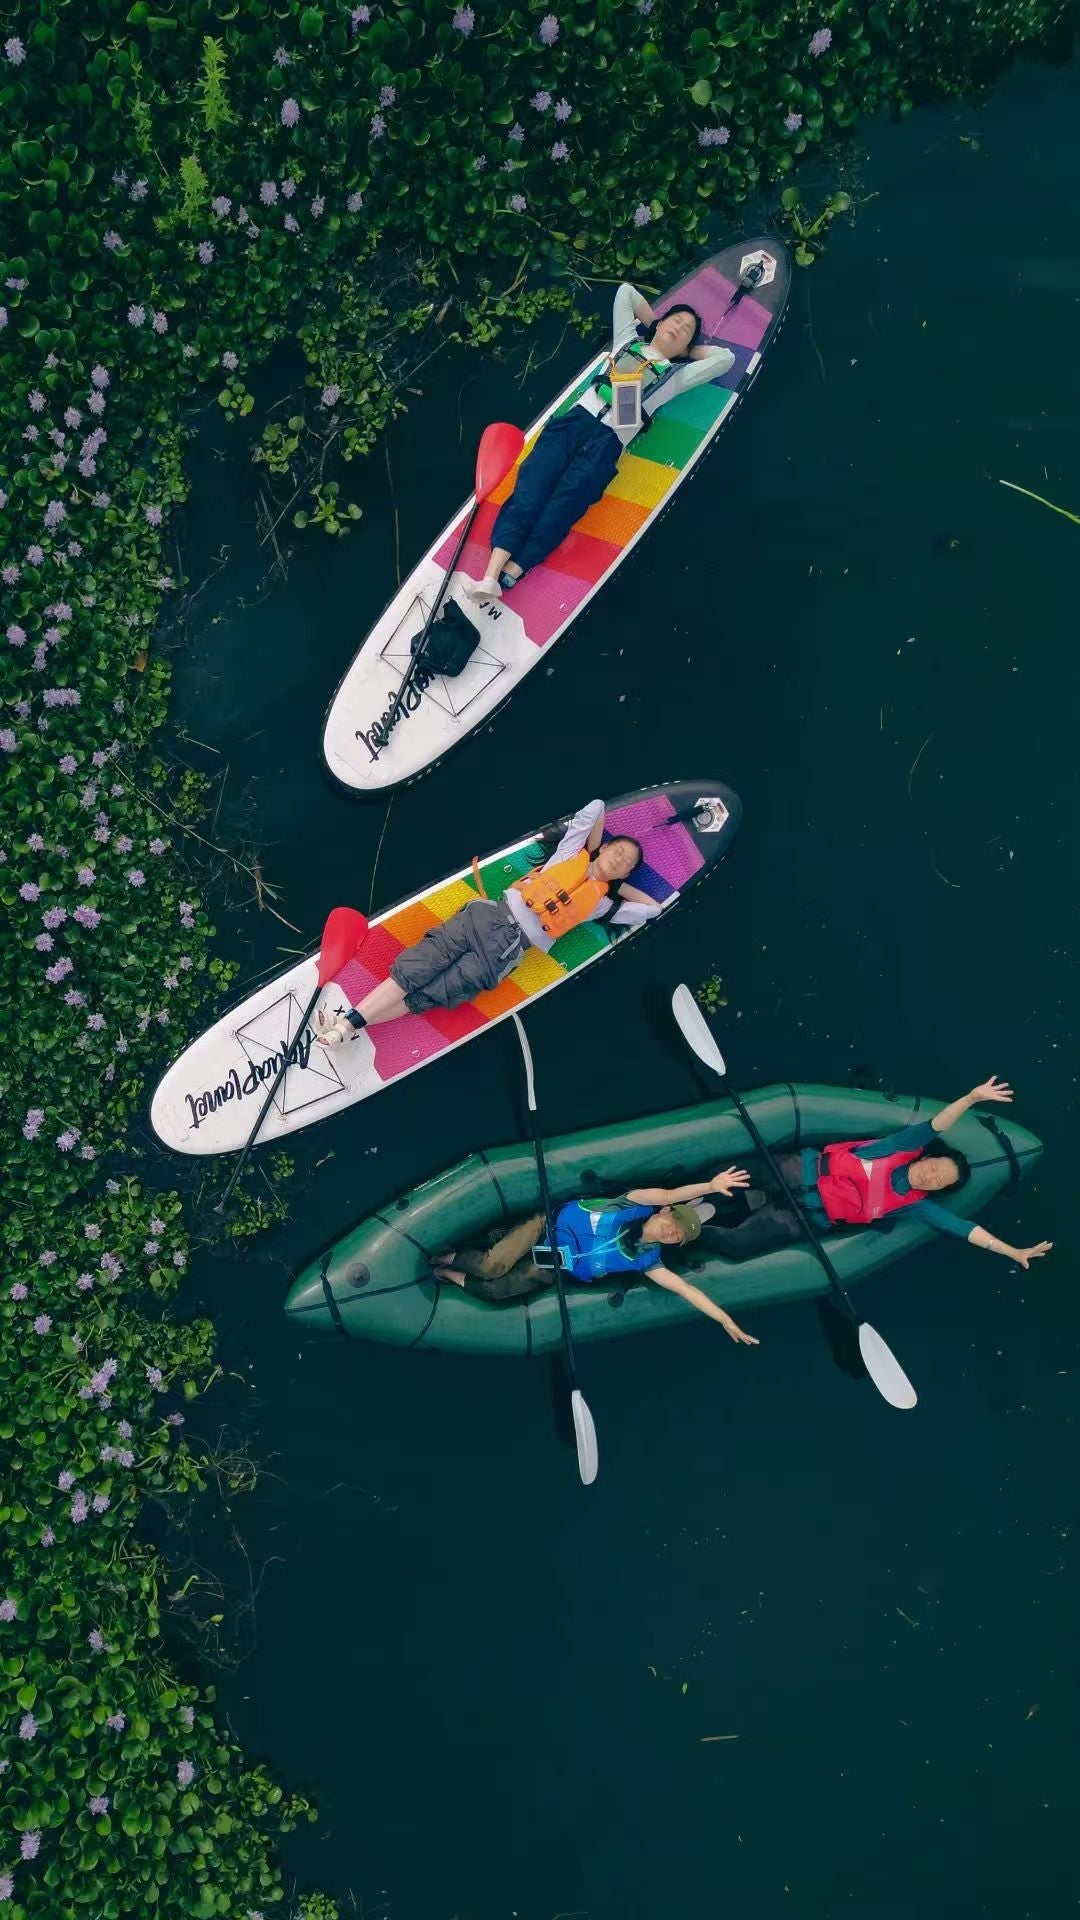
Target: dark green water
[498, 1685]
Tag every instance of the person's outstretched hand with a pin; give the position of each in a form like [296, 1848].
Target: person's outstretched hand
[1026, 1254]
[729, 1181]
[992, 1089]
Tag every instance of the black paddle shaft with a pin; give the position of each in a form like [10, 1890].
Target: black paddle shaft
[796, 1204]
[549, 1220]
[290, 1055]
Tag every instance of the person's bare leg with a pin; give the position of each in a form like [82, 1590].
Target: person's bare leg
[384, 1002]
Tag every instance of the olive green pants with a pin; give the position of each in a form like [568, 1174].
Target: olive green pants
[507, 1270]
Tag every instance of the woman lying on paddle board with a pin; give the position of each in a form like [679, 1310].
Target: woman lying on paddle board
[860, 1183]
[484, 941]
[596, 1238]
[575, 456]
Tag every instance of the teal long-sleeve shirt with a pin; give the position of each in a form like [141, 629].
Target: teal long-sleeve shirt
[905, 1140]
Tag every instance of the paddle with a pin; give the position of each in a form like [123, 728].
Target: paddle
[500, 445]
[584, 1431]
[342, 934]
[885, 1371]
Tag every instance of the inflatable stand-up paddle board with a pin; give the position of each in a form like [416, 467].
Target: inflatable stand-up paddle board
[208, 1100]
[377, 1281]
[518, 631]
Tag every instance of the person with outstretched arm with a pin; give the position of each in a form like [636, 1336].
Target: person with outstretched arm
[601, 1238]
[859, 1183]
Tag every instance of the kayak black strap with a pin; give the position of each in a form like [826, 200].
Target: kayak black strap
[797, 1112]
[494, 1178]
[987, 1120]
[328, 1294]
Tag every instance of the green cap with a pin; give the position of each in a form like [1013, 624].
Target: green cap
[689, 1219]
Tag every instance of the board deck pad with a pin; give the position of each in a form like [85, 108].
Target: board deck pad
[518, 630]
[208, 1100]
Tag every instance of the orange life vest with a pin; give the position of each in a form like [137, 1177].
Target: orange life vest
[564, 895]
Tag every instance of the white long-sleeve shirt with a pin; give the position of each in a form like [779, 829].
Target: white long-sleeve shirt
[691, 373]
[630, 913]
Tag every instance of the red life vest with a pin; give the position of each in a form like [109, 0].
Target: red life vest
[857, 1192]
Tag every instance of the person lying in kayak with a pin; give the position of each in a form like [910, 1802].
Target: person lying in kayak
[484, 941]
[576, 454]
[860, 1183]
[600, 1238]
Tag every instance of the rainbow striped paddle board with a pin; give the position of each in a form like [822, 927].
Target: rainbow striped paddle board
[208, 1100]
[519, 631]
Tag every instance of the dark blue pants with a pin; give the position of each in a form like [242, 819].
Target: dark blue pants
[567, 471]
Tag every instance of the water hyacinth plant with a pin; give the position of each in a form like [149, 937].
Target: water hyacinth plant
[179, 191]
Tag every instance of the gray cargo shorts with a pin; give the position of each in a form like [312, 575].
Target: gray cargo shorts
[455, 962]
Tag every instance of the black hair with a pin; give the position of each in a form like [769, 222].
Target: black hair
[549, 840]
[940, 1150]
[680, 306]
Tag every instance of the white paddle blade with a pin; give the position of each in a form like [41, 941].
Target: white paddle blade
[885, 1370]
[694, 1030]
[526, 1054]
[588, 1453]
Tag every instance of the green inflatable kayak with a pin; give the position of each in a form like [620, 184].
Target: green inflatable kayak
[376, 1283]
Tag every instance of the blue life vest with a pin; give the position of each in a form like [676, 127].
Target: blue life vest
[591, 1252]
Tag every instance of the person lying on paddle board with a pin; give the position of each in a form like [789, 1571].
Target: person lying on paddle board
[485, 940]
[576, 454]
[600, 1238]
[861, 1183]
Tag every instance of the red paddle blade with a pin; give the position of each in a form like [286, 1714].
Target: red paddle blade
[499, 447]
[342, 934]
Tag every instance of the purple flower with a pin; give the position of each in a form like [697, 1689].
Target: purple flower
[793, 122]
[318, 207]
[291, 223]
[92, 1230]
[35, 843]
[43, 1323]
[156, 1225]
[821, 41]
[282, 57]
[59, 970]
[27, 1727]
[222, 206]
[7, 1880]
[123, 843]
[378, 126]
[330, 396]
[268, 192]
[31, 1839]
[185, 1772]
[30, 891]
[360, 17]
[96, 1639]
[138, 191]
[714, 136]
[206, 252]
[95, 1022]
[560, 150]
[48, 1537]
[187, 1715]
[53, 917]
[19, 1289]
[73, 998]
[136, 316]
[387, 96]
[99, 1803]
[541, 101]
[516, 133]
[37, 400]
[116, 1722]
[174, 1419]
[179, 1259]
[99, 376]
[290, 112]
[563, 109]
[112, 1265]
[126, 1457]
[8, 1610]
[354, 202]
[84, 1282]
[8, 742]
[549, 29]
[464, 21]
[16, 635]
[14, 51]
[136, 878]
[47, 1259]
[79, 1509]
[152, 516]
[101, 1503]
[480, 162]
[518, 203]
[160, 323]
[65, 1480]
[156, 1378]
